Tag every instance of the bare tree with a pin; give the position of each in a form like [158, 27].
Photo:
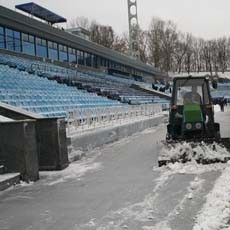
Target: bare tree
[168, 45]
[222, 48]
[155, 38]
[164, 47]
[198, 60]
[103, 35]
[143, 45]
[189, 53]
[179, 52]
[81, 21]
[121, 43]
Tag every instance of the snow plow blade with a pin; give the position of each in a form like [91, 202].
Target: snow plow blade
[207, 151]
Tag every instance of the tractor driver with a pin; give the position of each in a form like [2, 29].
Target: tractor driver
[192, 97]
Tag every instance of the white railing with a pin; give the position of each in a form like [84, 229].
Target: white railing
[84, 119]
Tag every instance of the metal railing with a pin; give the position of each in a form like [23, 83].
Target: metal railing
[84, 119]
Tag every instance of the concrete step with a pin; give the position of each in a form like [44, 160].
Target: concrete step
[9, 179]
[2, 169]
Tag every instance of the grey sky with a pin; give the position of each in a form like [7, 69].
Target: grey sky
[203, 18]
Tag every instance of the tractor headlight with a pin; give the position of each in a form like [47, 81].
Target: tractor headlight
[198, 125]
[188, 126]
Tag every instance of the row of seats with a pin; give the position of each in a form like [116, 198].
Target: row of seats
[116, 88]
[43, 96]
[50, 71]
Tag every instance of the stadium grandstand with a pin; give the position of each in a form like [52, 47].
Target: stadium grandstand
[54, 83]
[34, 53]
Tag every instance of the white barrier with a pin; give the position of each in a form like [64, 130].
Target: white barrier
[91, 118]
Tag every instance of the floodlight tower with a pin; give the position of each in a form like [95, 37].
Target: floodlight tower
[133, 29]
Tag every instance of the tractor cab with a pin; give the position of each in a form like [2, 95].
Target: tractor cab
[191, 113]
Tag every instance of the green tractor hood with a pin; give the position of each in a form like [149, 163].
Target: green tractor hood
[192, 113]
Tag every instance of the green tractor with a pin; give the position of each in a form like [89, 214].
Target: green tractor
[191, 117]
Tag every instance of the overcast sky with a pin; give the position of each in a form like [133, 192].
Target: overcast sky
[203, 18]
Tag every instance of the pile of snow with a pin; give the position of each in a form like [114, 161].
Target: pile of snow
[191, 168]
[216, 108]
[199, 152]
[216, 212]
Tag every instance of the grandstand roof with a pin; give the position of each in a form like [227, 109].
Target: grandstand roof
[41, 12]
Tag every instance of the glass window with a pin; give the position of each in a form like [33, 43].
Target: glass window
[2, 41]
[25, 37]
[17, 35]
[55, 45]
[52, 50]
[1, 30]
[9, 32]
[191, 91]
[2, 38]
[50, 44]
[31, 38]
[28, 45]
[80, 57]
[72, 55]
[63, 53]
[13, 40]
[94, 61]
[17, 41]
[38, 41]
[41, 48]
[9, 39]
[44, 43]
[17, 45]
[88, 59]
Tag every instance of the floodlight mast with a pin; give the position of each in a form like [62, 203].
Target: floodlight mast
[133, 29]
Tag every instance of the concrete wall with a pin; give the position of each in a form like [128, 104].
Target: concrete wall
[50, 137]
[52, 146]
[103, 136]
[18, 148]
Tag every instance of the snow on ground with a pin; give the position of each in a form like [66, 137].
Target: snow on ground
[159, 226]
[138, 212]
[215, 214]
[180, 152]
[216, 108]
[145, 210]
[76, 170]
[193, 189]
